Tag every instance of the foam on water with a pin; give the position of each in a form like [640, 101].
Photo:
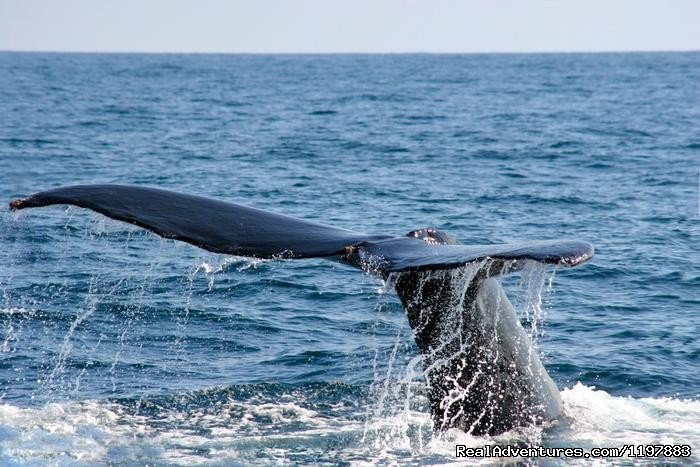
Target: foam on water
[599, 419]
[103, 432]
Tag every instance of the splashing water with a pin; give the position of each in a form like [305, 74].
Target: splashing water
[397, 418]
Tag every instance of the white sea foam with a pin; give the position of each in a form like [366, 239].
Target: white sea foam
[91, 432]
[94, 433]
[10, 311]
[599, 419]
[63, 434]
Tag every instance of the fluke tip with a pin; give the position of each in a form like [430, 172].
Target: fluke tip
[16, 204]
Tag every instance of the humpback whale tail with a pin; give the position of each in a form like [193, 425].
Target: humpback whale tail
[482, 374]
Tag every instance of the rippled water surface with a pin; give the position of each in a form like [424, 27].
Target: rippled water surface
[117, 347]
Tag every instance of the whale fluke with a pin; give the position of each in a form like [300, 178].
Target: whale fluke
[234, 229]
[483, 376]
[401, 254]
[217, 226]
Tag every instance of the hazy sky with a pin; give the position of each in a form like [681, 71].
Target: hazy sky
[349, 26]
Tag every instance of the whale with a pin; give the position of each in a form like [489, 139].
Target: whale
[482, 374]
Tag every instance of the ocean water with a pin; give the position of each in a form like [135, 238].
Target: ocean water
[120, 348]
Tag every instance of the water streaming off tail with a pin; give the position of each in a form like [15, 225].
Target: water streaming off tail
[531, 294]
[399, 416]
[88, 323]
[106, 319]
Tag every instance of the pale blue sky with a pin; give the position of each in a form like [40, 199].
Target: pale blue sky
[349, 26]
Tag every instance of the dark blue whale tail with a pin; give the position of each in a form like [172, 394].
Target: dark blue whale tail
[229, 228]
[213, 225]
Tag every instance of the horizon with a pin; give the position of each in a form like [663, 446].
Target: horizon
[131, 52]
[362, 27]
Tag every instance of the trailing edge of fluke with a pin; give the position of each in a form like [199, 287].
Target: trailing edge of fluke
[234, 229]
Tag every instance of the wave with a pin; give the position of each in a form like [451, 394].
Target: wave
[325, 422]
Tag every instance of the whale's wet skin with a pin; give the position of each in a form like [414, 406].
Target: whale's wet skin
[484, 375]
[119, 347]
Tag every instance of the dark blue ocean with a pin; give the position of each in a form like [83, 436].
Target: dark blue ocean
[120, 348]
